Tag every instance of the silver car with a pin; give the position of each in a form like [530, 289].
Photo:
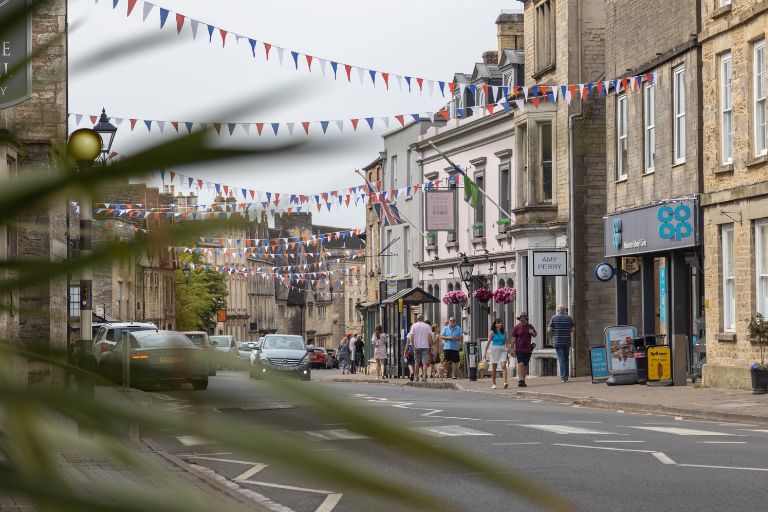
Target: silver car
[283, 355]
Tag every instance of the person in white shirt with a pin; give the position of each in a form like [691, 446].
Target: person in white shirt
[419, 337]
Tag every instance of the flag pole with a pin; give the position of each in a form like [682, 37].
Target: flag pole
[374, 190]
[502, 210]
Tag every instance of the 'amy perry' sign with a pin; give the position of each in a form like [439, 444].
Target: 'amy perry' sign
[15, 52]
[550, 263]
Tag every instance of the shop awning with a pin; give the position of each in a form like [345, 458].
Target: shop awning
[413, 295]
[367, 305]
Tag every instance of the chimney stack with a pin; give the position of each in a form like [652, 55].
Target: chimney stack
[491, 57]
[509, 28]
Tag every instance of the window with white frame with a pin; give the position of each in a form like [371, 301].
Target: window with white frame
[544, 47]
[408, 177]
[729, 279]
[761, 142]
[545, 138]
[649, 122]
[479, 96]
[678, 132]
[621, 137]
[726, 108]
[761, 244]
[393, 172]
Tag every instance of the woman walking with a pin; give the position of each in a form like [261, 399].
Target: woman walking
[345, 356]
[379, 343]
[497, 343]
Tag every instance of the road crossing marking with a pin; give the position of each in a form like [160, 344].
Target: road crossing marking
[452, 431]
[568, 429]
[683, 431]
[335, 435]
[192, 440]
[663, 458]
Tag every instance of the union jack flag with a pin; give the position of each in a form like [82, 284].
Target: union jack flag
[387, 213]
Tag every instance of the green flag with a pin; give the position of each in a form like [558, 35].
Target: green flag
[471, 192]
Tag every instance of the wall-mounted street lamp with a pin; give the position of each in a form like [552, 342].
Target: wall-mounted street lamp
[465, 271]
[107, 132]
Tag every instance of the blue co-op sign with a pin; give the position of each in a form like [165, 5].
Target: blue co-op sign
[664, 226]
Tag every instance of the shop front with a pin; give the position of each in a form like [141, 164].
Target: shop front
[655, 258]
[400, 311]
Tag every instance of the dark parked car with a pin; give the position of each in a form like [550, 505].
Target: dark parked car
[109, 335]
[333, 361]
[318, 357]
[283, 355]
[158, 357]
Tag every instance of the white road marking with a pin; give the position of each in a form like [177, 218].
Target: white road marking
[335, 435]
[192, 440]
[602, 448]
[678, 418]
[286, 487]
[620, 411]
[722, 442]
[567, 429]
[217, 459]
[248, 474]
[663, 458]
[452, 431]
[754, 430]
[590, 422]
[683, 431]
[329, 503]
[722, 467]
[514, 444]
[617, 441]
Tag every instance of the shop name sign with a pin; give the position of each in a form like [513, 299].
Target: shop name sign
[15, 52]
[440, 210]
[660, 227]
[550, 263]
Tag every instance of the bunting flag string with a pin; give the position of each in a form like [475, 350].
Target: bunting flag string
[339, 71]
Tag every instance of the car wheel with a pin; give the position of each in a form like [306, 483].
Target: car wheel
[256, 374]
[212, 371]
[200, 384]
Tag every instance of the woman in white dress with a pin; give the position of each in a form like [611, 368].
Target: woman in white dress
[497, 343]
[379, 342]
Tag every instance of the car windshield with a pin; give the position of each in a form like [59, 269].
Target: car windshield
[221, 341]
[197, 339]
[246, 347]
[116, 333]
[165, 341]
[283, 343]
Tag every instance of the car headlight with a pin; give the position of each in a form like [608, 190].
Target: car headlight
[263, 356]
[305, 359]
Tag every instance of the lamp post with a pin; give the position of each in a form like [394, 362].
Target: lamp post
[85, 146]
[107, 132]
[470, 354]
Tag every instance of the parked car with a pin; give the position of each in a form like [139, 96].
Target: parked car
[283, 355]
[224, 344]
[333, 361]
[201, 340]
[318, 357]
[245, 348]
[110, 334]
[158, 357]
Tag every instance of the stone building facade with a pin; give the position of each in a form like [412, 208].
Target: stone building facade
[562, 160]
[32, 128]
[372, 311]
[654, 154]
[735, 198]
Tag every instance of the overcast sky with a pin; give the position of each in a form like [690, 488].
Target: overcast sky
[183, 79]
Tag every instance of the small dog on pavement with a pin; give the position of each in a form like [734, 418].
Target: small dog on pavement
[438, 371]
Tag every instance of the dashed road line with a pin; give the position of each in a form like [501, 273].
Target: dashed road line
[568, 429]
[452, 431]
[682, 431]
[335, 435]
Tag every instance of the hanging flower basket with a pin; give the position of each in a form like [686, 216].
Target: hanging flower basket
[505, 296]
[455, 297]
[483, 295]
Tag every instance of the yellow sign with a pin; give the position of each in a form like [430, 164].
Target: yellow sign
[630, 264]
[659, 363]
[400, 305]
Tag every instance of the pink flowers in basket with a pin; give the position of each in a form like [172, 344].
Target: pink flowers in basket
[505, 296]
[483, 295]
[455, 297]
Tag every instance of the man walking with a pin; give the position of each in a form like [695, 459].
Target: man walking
[451, 336]
[561, 327]
[419, 337]
[521, 335]
[353, 349]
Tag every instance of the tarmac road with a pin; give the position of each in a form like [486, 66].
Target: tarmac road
[600, 460]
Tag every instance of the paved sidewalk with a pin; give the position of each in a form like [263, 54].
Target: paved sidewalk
[687, 401]
[87, 474]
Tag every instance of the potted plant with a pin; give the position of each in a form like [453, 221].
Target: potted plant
[431, 238]
[478, 230]
[455, 297]
[758, 332]
[483, 295]
[505, 295]
[503, 224]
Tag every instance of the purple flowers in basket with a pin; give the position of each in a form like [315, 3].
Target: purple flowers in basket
[505, 296]
[483, 294]
[455, 297]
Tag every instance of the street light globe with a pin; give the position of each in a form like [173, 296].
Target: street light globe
[84, 145]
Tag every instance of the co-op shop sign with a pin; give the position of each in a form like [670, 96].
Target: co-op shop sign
[15, 52]
[670, 225]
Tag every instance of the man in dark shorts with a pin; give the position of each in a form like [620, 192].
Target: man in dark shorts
[452, 336]
[521, 335]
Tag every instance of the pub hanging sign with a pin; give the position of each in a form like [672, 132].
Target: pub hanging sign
[15, 53]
